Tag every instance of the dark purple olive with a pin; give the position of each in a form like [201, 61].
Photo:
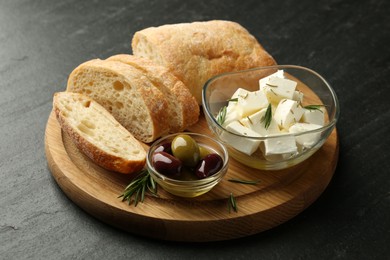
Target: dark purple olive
[166, 164]
[208, 166]
[165, 147]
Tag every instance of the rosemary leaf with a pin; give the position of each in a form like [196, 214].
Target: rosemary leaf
[232, 203]
[250, 182]
[274, 92]
[314, 107]
[233, 100]
[267, 118]
[143, 193]
[270, 85]
[136, 199]
[221, 115]
[152, 186]
[244, 97]
[152, 190]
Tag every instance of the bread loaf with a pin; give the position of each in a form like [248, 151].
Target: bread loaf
[182, 106]
[126, 93]
[97, 134]
[195, 52]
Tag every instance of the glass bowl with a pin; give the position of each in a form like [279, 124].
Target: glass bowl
[189, 188]
[217, 94]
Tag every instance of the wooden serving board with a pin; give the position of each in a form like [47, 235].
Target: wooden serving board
[279, 196]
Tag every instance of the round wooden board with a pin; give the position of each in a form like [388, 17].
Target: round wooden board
[279, 196]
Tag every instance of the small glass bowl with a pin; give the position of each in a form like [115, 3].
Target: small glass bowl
[219, 89]
[189, 188]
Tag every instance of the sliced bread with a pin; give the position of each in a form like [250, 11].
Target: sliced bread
[183, 108]
[126, 93]
[97, 134]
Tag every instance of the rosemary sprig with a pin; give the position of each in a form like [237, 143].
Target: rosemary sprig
[232, 203]
[135, 191]
[267, 118]
[249, 182]
[221, 115]
[314, 107]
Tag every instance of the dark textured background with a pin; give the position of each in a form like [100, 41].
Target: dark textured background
[345, 41]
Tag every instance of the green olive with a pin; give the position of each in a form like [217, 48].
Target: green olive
[187, 175]
[186, 149]
[203, 151]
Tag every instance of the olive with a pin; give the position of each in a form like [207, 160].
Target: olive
[209, 165]
[166, 164]
[165, 147]
[187, 175]
[186, 150]
[203, 151]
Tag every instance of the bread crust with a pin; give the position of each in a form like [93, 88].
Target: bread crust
[100, 157]
[195, 52]
[152, 100]
[185, 107]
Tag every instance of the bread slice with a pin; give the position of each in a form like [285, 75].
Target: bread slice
[126, 93]
[182, 106]
[195, 52]
[97, 134]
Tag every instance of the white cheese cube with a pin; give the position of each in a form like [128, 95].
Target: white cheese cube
[280, 145]
[263, 81]
[245, 145]
[256, 122]
[238, 92]
[231, 113]
[231, 109]
[298, 96]
[277, 89]
[309, 139]
[288, 112]
[314, 117]
[249, 102]
[277, 157]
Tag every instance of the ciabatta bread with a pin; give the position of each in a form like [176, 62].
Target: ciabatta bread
[97, 134]
[126, 93]
[195, 52]
[183, 108]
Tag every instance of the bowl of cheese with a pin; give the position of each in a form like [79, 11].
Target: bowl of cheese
[270, 118]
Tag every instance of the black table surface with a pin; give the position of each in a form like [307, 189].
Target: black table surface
[347, 42]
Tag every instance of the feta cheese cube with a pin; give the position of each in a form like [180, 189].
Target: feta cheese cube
[280, 145]
[249, 102]
[287, 113]
[256, 123]
[298, 96]
[231, 113]
[263, 81]
[277, 89]
[314, 117]
[245, 145]
[237, 92]
[309, 139]
[277, 157]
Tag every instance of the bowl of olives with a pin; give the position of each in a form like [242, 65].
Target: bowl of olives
[187, 164]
